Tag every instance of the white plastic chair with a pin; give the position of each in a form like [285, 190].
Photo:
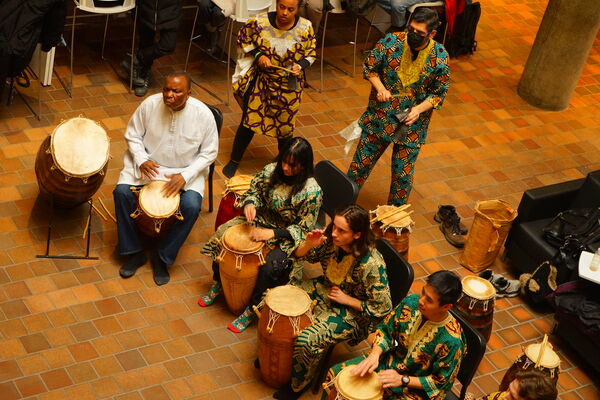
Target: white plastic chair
[337, 9]
[89, 6]
[244, 10]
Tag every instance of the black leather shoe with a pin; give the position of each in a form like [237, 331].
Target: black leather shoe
[160, 271]
[134, 261]
[450, 229]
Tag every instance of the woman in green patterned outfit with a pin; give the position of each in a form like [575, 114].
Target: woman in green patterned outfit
[283, 202]
[352, 294]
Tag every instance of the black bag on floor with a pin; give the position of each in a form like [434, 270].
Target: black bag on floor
[463, 40]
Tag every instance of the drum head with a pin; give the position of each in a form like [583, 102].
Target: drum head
[354, 387]
[478, 288]
[549, 359]
[288, 300]
[237, 239]
[239, 184]
[154, 203]
[394, 219]
[79, 147]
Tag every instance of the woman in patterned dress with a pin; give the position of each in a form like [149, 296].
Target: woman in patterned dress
[268, 95]
[283, 203]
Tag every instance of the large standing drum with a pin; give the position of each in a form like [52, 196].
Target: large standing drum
[354, 387]
[476, 304]
[71, 162]
[287, 310]
[155, 213]
[229, 206]
[393, 224]
[540, 356]
[239, 261]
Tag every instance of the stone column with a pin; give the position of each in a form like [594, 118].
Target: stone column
[559, 53]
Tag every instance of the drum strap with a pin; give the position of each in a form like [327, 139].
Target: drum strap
[273, 317]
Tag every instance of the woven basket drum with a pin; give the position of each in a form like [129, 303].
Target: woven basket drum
[491, 224]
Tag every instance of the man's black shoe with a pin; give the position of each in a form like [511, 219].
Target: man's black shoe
[134, 261]
[446, 212]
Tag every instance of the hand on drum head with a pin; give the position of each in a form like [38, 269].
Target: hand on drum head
[250, 212]
[149, 169]
[261, 234]
[315, 238]
[176, 183]
[389, 378]
[368, 365]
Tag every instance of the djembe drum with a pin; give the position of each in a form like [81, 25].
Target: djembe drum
[155, 213]
[540, 356]
[229, 206]
[71, 162]
[286, 311]
[393, 224]
[347, 386]
[476, 304]
[239, 261]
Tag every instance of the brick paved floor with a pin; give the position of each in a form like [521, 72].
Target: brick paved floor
[75, 329]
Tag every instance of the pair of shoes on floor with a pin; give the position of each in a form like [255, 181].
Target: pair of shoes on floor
[504, 287]
[212, 294]
[160, 270]
[450, 225]
[243, 321]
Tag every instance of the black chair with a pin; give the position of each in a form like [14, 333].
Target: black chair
[211, 171]
[475, 352]
[338, 189]
[400, 277]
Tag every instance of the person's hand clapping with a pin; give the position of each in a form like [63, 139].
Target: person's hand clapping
[250, 212]
[315, 238]
[149, 169]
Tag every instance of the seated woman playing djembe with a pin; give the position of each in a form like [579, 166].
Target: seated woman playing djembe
[282, 203]
[352, 294]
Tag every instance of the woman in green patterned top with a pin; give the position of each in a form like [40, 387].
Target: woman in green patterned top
[283, 203]
[351, 296]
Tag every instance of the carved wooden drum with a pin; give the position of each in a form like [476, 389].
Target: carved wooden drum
[155, 213]
[229, 206]
[71, 162]
[287, 310]
[476, 304]
[355, 387]
[239, 261]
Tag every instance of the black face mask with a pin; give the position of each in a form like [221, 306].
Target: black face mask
[414, 40]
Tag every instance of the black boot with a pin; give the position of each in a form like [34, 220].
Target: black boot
[447, 212]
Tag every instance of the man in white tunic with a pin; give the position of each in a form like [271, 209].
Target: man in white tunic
[170, 137]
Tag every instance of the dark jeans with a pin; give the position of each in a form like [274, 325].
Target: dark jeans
[275, 272]
[149, 49]
[130, 239]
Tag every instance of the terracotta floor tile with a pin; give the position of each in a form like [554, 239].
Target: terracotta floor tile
[30, 386]
[131, 360]
[56, 379]
[32, 364]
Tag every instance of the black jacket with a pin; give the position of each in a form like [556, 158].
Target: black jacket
[160, 14]
[24, 24]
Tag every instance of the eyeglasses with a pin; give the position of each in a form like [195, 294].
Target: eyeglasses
[413, 30]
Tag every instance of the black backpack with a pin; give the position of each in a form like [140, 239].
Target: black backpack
[463, 40]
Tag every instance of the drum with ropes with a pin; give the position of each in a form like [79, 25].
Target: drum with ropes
[239, 261]
[72, 161]
[476, 304]
[540, 356]
[286, 310]
[229, 206]
[155, 213]
[393, 224]
[347, 386]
